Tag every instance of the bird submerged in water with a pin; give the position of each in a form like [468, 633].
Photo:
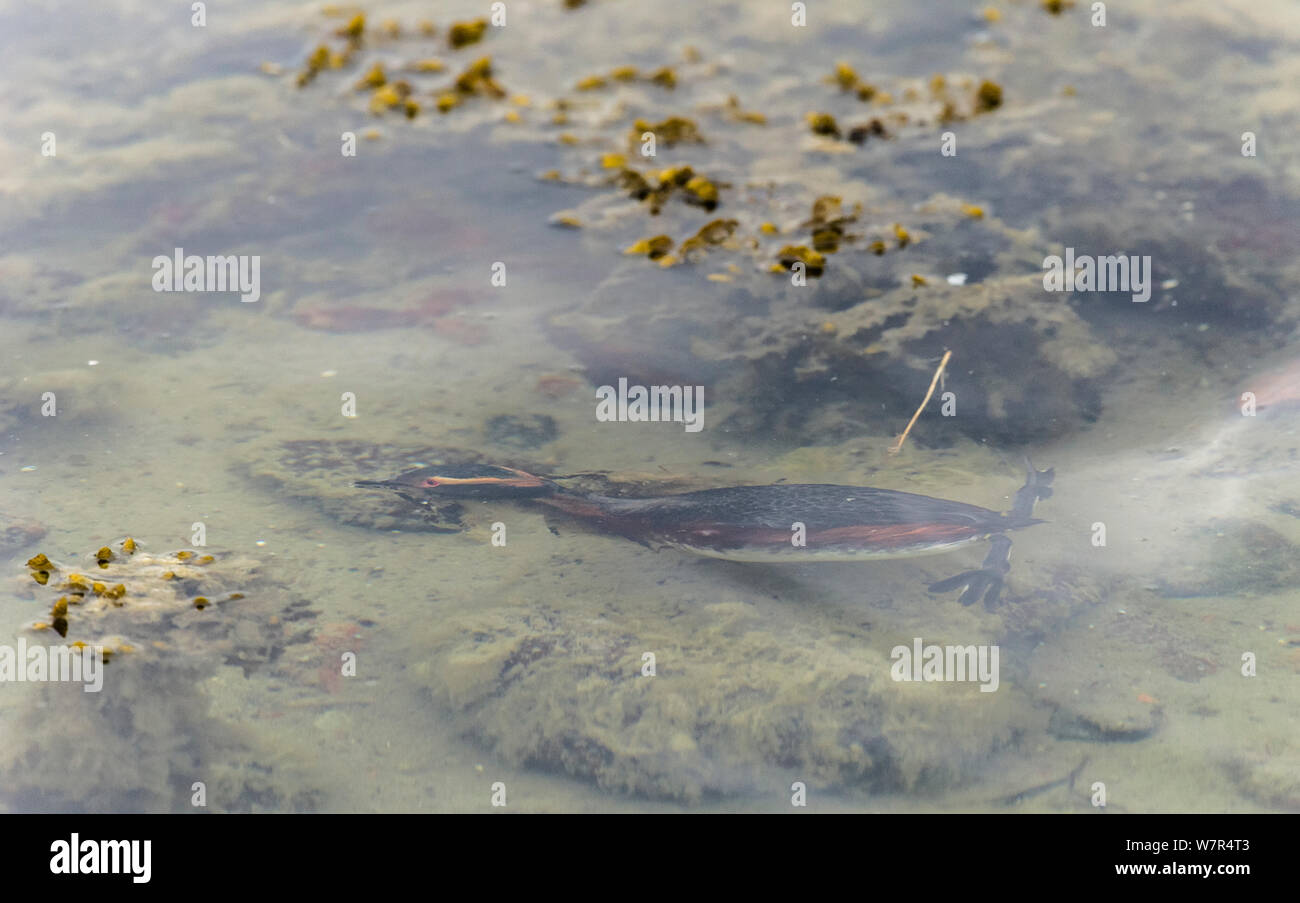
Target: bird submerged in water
[794, 522]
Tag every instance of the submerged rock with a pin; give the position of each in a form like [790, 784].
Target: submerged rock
[321, 472]
[167, 624]
[32, 396]
[18, 531]
[735, 705]
[190, 602]
[1268, 772]
[527, 431]
[1038, 374]
[1229, 556]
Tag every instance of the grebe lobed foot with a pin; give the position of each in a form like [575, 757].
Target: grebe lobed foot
[986, 581]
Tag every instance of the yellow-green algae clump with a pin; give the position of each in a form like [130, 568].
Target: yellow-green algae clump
[127, 591]
[402, 94]
[671, 131]
[462, 34]
[901, 103]
[656, 189]
[712, 234]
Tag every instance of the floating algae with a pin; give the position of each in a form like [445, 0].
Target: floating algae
[654, 247]
[131, 600]
[672, 131]
[790, 255]
[476, 79]
[655, 188]
[462, 34]
[823, 124]
[665, 77]
[943, 99]
[716, 233]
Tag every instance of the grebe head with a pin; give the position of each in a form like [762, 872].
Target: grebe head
[465, 481]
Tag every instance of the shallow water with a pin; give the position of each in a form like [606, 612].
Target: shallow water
[1121, 663]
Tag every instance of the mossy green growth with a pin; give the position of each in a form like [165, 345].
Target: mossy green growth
[462, 34]
[813, 262]
[823, 124]
[988, 97]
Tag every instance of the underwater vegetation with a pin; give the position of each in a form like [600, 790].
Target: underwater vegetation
[161, 619]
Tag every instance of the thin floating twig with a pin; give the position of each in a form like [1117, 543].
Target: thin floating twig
[898, 446]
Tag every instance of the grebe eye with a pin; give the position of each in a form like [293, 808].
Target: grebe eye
[430, 483]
